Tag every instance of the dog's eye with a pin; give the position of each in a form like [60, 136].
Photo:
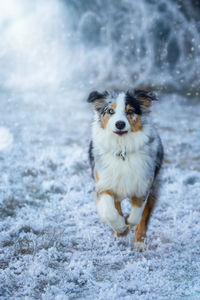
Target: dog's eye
[130, 112]
[111, 111]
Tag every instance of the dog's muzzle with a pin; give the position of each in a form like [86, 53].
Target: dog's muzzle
[120, 125]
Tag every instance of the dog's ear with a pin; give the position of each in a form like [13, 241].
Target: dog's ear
[145, 97]
[96, 96]
[98, 99]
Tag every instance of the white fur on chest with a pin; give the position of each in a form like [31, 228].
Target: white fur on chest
[126, 178]
[129, 177]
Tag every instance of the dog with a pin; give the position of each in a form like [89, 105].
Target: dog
[125, 154]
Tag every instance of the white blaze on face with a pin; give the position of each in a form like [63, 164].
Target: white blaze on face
[120, 114]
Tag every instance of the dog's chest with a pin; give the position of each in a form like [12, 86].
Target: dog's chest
[125, 175]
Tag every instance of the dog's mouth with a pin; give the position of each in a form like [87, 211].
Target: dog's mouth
[120, 132]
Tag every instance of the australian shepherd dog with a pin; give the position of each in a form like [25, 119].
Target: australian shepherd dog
[125, 154]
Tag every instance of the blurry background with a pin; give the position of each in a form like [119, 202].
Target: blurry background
[84, 44]
[52, 54]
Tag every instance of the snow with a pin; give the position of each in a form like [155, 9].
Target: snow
[52, 243]
[6, 138]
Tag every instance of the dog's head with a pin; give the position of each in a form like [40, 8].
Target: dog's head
[122, 113]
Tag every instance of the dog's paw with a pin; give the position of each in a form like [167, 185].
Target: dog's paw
[140, 246]
[122, 234]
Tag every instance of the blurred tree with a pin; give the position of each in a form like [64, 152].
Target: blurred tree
[150, 42]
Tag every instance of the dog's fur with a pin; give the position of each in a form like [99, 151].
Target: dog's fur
[125, 154]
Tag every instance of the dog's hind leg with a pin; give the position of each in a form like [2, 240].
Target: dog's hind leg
[141, 228]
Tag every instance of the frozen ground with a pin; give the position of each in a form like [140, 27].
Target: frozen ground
[53, 245]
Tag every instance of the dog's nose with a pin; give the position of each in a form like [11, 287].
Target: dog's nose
[120, 124]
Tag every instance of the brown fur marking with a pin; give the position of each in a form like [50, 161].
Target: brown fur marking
[128, 107]
[107, 116]
[145, 101]
[105, 120]
[118, 207]
[141, 228]
[96, 176]
[136, 201]
[135, 125]
[113, 106]
[106, 192]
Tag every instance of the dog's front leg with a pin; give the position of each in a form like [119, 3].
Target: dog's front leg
[109, 214]
[137, 207]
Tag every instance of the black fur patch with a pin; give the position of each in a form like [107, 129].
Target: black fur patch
[133, 99]
[91, 157]
[99, 100]
[93, 96]
[145, 94]
[105, 109]
[133, 102]
[159, 158]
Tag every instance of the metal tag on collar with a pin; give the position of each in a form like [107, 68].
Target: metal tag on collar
[122, 155]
